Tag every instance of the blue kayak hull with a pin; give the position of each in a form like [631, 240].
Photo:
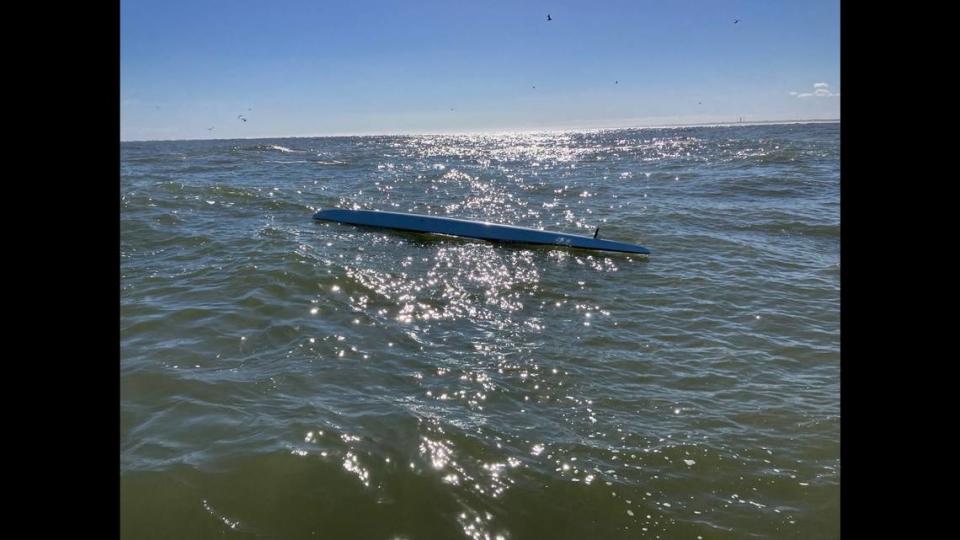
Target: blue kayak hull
[472, 229]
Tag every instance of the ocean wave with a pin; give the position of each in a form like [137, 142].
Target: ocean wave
[377, 367]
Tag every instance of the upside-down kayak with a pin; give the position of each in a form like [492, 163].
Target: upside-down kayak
[472, 229]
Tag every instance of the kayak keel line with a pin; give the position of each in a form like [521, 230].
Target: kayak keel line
[472, 229]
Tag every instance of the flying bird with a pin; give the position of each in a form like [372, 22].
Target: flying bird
[735, 21]
[209, 129]
[548, 17]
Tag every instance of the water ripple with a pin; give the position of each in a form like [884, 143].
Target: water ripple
[286, 378]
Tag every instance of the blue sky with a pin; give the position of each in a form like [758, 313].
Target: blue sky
[303, 68]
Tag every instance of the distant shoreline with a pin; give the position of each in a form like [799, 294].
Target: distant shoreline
[510, 132]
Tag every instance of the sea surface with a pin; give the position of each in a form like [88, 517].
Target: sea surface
[287, 378]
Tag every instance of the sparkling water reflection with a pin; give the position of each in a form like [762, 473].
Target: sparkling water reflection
[286, 378]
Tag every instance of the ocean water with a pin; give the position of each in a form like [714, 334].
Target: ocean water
[286, 378]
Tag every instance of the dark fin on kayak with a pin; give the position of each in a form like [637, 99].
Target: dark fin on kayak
[596, 232]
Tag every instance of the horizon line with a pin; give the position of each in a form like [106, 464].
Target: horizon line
[510, 132]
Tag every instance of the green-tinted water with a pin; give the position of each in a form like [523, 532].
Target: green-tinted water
[283, 378]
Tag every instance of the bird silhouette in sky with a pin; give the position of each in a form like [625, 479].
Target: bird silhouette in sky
[735, 21]
[548, 17]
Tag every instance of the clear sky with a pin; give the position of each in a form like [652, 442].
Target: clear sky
[331, 67]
